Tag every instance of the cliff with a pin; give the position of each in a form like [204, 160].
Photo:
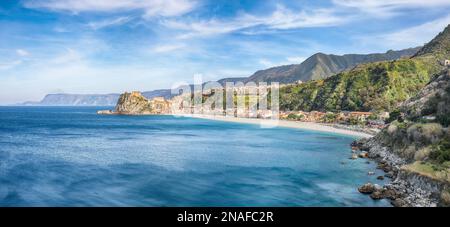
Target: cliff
[432, 103]
[417, 146]
[135, 103]
[414, 148]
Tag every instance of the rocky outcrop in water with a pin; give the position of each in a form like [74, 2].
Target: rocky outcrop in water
[135, 103]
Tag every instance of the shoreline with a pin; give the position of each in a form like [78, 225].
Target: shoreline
[268, 123]
[406, 189]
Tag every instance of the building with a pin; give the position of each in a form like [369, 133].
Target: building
[361, 116]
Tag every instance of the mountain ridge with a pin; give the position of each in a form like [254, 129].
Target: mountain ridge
[375, 86]
[321, 65]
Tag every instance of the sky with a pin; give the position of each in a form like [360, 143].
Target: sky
[112, 46]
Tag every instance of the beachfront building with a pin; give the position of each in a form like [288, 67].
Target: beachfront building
[360, 116]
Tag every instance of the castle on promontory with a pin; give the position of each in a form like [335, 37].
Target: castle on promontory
[135, 103]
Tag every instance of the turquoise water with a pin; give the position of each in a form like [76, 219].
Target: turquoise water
[69, 156]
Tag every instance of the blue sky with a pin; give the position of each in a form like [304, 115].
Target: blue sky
[109, 46]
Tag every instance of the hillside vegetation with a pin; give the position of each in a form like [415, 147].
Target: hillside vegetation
[321, 66]
[378, 86]
[367, 87]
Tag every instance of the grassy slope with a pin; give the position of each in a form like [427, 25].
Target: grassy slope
[372, 86]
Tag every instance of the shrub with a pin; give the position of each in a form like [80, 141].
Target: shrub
[372, 117]
[353, 121]
[293, 116]
[330, 118]
[425, 134]
[441, 152]
[444, 120]
[395, 115]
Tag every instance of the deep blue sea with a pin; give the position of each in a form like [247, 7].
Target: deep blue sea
[69, 156]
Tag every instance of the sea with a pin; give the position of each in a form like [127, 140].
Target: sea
[70, 156]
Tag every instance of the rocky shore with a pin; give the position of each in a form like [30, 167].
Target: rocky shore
[406, 189]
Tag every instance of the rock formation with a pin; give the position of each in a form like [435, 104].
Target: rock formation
[135, 103]
[415, 148]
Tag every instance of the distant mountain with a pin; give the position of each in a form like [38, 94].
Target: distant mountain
[315, 67]
[91, 99]
[166, 93]
[76, 100]
[232, 79]
[320, 66]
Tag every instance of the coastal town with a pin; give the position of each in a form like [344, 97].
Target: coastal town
[135, 103]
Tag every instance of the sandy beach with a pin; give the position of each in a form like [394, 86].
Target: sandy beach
[267, 123]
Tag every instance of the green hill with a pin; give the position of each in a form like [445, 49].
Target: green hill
[372, 86]
[320, 66]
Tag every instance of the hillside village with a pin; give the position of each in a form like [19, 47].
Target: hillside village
[160, 105]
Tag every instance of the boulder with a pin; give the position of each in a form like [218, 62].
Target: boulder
[399, 203]
[390, 174]
[390, 194]
[378, 194]
[363, 154]
[367, 188]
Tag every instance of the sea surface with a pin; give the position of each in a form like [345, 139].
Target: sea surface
[69, 156]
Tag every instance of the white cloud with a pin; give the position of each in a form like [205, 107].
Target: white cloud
[9, 65]
[108, 23]
[280, 19]
[68, 57]
[73, 72]
[167, 48]
[284, 18]
[289, 61]
[169, 7]
[341, 12]
[150, 7]
[266, 63]
[409, 37]
[295, 60]
[22, 52]
[388, 8]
